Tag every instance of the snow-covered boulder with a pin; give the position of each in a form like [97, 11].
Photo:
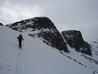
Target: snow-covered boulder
[75, 40]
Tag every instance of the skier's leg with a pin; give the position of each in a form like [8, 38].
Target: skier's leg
[19, 44]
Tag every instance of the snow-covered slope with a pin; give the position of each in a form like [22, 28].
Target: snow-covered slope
[35, 57]
[44, 51]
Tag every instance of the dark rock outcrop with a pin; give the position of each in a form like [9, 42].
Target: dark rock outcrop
[43, 28]
[75, 40]
[1, 24]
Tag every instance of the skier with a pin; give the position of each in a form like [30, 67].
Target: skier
[20, 38]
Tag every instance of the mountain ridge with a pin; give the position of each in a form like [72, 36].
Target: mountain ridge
[50, 35]
[44, 28]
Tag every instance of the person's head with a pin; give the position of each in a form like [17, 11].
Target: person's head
[20, 34]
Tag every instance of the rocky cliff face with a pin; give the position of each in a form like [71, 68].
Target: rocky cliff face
[43, 28]
[75, 40]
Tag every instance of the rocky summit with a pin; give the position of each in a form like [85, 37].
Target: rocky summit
[75, 40]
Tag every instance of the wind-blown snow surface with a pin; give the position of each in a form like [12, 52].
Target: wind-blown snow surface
[34, 58]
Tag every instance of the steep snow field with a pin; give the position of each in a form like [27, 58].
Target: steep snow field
[34, 58]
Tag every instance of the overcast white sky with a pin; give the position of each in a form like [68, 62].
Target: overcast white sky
[66, 14]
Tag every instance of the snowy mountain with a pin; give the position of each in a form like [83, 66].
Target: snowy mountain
[43, 28]
[57, 57]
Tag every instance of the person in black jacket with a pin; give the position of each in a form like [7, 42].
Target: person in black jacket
[20, 39]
